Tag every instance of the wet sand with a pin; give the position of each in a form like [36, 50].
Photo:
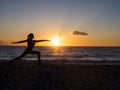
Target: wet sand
[51, 75]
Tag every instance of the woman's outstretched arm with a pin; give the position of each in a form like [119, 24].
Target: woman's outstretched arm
[41, 40]
[19, 42]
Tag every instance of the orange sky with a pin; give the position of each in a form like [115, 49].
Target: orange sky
[47, 18]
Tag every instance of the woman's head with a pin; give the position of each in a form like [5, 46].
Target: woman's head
[30, 36]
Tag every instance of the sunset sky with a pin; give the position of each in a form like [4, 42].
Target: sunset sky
[64, 22]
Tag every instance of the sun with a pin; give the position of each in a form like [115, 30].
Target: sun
[55, 43]
[55, 40]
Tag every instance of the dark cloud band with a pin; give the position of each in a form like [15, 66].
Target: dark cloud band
[1, 42]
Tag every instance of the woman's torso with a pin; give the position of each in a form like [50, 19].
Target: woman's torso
[31, 44]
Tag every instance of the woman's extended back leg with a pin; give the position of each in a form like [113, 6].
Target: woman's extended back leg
[22, 55]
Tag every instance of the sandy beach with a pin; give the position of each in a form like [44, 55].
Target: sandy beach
[51, 75]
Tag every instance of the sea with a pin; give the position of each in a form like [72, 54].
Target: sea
[63, 53]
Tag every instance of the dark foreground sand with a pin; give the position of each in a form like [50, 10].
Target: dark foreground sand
[27, 75]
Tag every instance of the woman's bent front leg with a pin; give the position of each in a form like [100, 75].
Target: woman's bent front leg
[38, 55]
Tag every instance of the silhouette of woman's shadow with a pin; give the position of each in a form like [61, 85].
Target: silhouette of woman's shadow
[28, 50]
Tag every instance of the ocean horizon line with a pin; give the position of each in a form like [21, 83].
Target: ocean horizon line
[53, 46]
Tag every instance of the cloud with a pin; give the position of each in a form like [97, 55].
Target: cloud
[79, 33]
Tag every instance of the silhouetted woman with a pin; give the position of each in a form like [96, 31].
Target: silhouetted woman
[30, 45]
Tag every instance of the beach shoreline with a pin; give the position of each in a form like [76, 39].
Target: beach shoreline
[65, 62]
[28, 75]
